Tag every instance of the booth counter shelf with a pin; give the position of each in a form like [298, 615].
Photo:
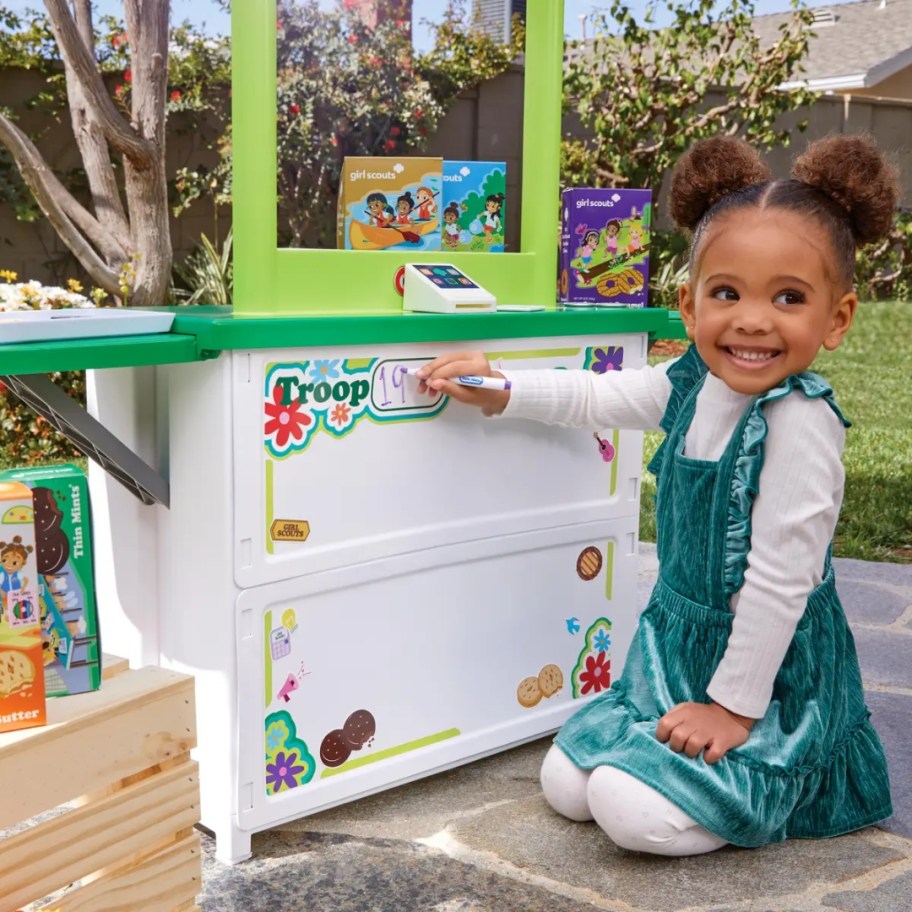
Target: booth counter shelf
[200, 333]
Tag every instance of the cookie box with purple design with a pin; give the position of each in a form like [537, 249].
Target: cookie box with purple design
[66, 579]
[604, 247]
[474, 206]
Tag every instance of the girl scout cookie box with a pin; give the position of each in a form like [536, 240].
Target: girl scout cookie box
[474, 206]
[389, 204]
[70, 650]
[21, 665]
[604, 258]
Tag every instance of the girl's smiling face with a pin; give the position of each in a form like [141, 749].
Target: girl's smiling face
[375, 206]
[449, 216]
[762, 299]
[403, 207]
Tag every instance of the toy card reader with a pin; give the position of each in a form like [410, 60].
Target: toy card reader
[442, 288]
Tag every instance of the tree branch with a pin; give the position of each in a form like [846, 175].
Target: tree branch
[90, 139]
[58, 205]
[80, 65]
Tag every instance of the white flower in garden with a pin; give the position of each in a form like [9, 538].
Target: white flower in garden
[35, 296]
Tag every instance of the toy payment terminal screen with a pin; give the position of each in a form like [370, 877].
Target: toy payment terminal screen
[446, 277]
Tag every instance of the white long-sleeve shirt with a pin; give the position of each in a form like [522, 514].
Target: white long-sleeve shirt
[793, 516]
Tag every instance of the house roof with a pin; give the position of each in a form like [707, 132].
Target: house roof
[855, 45]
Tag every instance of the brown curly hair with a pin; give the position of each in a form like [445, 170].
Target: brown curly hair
[845, 183]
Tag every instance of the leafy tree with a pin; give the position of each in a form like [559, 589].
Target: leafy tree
[643, 95]
[121, 238]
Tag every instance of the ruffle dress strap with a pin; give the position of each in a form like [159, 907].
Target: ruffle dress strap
[748, 464]
[684, 375]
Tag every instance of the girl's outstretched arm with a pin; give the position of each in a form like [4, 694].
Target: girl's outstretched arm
[633, 399]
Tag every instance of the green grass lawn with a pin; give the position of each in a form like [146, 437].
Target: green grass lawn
[871, 373]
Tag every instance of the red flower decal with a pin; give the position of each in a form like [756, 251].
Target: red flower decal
[340, 414]
[597, 676]
[284, 420]
[128, 75]
[390, 145]
[175, 95]
[295, 109]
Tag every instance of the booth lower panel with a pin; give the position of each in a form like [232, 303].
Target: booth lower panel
[357, 680]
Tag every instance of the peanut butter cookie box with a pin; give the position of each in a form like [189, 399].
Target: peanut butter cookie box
[70, 651]
[22, 703]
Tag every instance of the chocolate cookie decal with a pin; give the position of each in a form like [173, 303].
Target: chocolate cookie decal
[334, 751]
[358, 730]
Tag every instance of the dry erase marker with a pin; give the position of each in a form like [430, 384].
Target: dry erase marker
[491, 383]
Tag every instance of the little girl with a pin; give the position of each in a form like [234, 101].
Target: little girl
[739, 717]
[451, 225]
[588, 247]
[490, 218]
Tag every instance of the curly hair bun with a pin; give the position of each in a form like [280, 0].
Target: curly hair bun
[709, 170]
[854, 173]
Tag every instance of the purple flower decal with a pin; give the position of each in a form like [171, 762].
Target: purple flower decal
[608, 359]
[283, 772]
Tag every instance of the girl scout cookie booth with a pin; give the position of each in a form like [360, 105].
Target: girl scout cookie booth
[369, 586]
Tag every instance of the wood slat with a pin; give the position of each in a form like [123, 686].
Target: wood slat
[51, 855]
[160, 883]
[112, 665]
[95, 740]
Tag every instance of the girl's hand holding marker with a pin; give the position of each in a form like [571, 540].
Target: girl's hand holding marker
[466, 377]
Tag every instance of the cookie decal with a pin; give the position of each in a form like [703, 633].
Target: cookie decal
[550, 680]
[589, 563]
[545, 684]
[359, 728]
[529, 693]
[333, 750]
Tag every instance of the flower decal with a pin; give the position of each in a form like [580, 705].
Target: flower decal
[285, 771]
[288, 762]
[592, 672]
[340, 414]
[276, 735]
[284, 421]
[324, 370]
[597, 675]
[608, 359]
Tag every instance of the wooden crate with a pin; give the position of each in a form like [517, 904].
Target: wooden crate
[97, 809]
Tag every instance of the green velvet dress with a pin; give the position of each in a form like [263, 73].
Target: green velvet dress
[813, 765]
